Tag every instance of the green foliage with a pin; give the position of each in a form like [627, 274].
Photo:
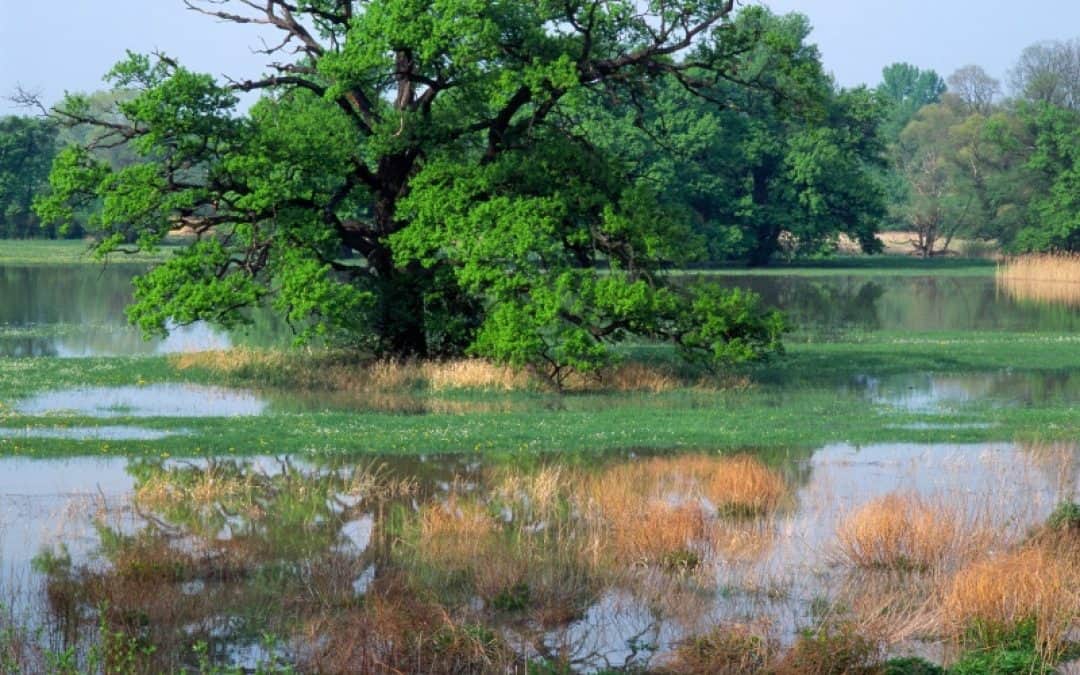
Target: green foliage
[912, 665]
[27, 148]
[428, 179]
[1055, 163]
[999, 650]
[906, 89]
[786, 166]
[1065, 517]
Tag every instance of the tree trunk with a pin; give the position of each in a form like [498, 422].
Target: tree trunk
[766, 235]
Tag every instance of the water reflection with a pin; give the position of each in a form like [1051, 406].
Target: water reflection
[150, 400]
[78, 310]
[442, 564]
[835, 304]
[935, 393]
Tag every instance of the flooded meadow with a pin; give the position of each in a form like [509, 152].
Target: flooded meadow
[914, 516]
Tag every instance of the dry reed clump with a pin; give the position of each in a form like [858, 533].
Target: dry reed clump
[1044, 277]
[652, 511]
[336, 371]
[744, 485]
[990, 599]
[396, 631]
[634, 519]
[726, 650]
[903, 531]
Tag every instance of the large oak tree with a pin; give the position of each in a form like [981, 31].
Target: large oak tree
[417, 177]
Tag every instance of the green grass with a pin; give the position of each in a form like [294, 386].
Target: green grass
[27, 252]
[798, 403]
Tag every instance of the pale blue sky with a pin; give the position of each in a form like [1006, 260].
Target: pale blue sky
[69, 44]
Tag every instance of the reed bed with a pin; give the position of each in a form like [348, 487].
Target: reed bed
[1045, 278]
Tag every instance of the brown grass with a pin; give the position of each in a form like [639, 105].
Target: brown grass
[1045, 278]
[345, 372]
[903, 531]
[649, 510]
[998, 594]
[833, 648]
[745, 485]
[456, 532]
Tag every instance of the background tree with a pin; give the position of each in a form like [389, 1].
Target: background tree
[789, 160]
[1049, 72]
[975, 89]
[439, 142]
[906, 89]
[27, 148]
[1054, 165]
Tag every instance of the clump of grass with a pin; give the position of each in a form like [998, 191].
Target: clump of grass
[1065, 518]
[726, 650]
[744, 485]
[647, 511]
[1044, 277]
[989, 600]
[833, 648]
[902, 531]
[342, 371]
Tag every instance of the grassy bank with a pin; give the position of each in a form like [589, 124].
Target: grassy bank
[25, 252]
[884, 265]
[816, 394]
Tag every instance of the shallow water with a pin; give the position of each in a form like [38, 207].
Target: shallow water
[150, 400]
[78, 310]
[102, 433]
[774, 569]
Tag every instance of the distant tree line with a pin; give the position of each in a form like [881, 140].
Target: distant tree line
[781, 168]
[967, 161]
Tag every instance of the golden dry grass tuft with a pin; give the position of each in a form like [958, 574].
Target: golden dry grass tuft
[745, 485]
[994, 596]
[653, 511]
[1045, 278]
[902, 531]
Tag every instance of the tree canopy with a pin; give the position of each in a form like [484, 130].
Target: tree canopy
[424, 178]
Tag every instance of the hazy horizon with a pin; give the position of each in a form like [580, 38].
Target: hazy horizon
[51, 52]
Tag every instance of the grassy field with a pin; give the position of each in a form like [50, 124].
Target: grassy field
[796, 403]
